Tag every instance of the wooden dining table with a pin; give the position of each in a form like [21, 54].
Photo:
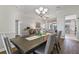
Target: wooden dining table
[29, 43]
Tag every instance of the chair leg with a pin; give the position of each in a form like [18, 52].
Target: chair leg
[59, 45]
[57, 48]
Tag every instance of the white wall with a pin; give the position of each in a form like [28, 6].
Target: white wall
[60, 23]
[7, 22]
[4, 22]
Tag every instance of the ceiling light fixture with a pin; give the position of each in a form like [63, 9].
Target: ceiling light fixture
[41, 11]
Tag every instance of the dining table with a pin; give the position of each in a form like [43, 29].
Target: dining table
[27, 44]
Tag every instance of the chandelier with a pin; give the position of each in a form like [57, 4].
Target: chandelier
[41, 11]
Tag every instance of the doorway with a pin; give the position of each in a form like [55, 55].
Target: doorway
[70, 27]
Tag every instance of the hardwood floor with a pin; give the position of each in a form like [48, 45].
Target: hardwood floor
[68, 46]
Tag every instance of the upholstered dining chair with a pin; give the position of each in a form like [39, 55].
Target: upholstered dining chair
[48, 47]
[57, 44]
[7, 45]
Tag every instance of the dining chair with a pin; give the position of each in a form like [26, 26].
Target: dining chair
[57, 44]
[7, 45]
[48, 47]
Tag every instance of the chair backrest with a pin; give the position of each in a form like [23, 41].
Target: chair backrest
[6, 43]
[59, 34]
[50, 43]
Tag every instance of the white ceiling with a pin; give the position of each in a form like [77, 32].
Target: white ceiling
[30, 9]
[52, 9]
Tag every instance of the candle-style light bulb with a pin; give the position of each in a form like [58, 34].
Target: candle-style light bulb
[45, 9]
[41, 8]
[37, 11]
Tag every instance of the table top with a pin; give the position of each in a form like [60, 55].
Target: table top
[26, 45]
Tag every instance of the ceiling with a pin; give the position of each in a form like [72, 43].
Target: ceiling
[52, 9]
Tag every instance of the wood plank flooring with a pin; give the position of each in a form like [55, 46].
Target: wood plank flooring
[69, 46]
